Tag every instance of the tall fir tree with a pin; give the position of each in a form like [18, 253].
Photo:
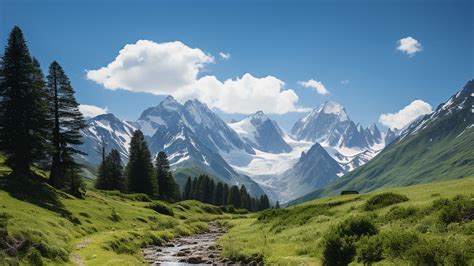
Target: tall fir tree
[140, 168]
[187, 189]
[167, 187]
[24, 116]
[218, 194]
[68, 122]
[234, 196]
[115, 171]
[225, 195]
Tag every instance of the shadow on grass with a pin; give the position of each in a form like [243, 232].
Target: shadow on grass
[36, 191]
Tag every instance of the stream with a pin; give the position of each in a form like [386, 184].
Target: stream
[189, 250]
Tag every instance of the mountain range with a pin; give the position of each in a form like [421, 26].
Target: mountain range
[326, 152]
[436, 146]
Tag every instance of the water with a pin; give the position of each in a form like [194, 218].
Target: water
[189, 250]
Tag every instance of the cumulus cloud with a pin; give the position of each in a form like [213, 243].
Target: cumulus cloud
[409, 45]
[173, 69]
[91, 110]
[318, 86]
[405, 115]
[224, 56]
[157, 68]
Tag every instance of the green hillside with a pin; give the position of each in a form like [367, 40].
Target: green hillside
[432, 224]
[106, 228]
[441, 151]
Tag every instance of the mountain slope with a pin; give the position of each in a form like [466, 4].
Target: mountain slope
[315, 169]
[261, 133]
[438, 146]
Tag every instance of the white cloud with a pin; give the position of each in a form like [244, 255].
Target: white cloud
[224, 56]
[406, 115]
[344, 82]
[409, 45]
[173, 68]
[147, 66]
[91, 110]
[316, 85]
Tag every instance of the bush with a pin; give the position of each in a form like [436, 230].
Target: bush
[383, 200]
[35, 258]
[459, 209]
[161, 208]
[338, 250]
[440, 252]
[211, 209]
[370, 250]
[357, 226]
[397, 243]
[339, 244]
[398, 213]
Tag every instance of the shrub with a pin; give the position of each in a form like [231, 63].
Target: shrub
[459, 209]
[211, 209]
[370, 250]
[339, 244]
[35, 258]
[397, 243]
[383, 200]
[338, 250]
[161, 208]
[398, 213]
[357, 226]
[440, 252]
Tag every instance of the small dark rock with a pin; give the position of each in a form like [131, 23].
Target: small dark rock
[194, 260]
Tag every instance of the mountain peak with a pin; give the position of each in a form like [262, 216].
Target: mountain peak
[170, 103]
[258, 117]
[330, 107]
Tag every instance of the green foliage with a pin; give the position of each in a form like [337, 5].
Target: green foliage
[115, 216]
[140, 168]
[399, 212]
[369, 250]
[66, 135]
[110, 173]
[440, 252]
[162, 208]
[167, 187]
[337, 250]
[24, 117]
[459, 209]
[383, 200]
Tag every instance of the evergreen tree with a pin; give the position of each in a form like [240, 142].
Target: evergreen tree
[140, 168]
[187, 189]
[114, 169]
[225, 195]
[218, 194]
[24, 117]
[234, 196]
[167, 187]
[102, 181]
[194, 189]
[277, 206]
[244, 198]
[68, 121]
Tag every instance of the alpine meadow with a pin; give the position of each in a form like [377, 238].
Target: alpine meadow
[236, 133]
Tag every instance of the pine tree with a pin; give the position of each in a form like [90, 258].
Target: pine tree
[167, 187]
[277, 206]
[234, 196]
[225, 195]
[102, 181]
[187, 189]
[24, 117]
[244, 198]
[140, 168]
[194, 189]
[218, 194]
[115, 171]
[68, 121]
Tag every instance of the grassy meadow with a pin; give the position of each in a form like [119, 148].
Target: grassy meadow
[416, 225]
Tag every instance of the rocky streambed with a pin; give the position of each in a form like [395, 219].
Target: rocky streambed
[196, 249]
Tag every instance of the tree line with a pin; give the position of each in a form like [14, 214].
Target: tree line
[40, 121]
[140, 174]
[205, 189]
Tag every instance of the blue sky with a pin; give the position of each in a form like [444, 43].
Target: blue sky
[328, 41]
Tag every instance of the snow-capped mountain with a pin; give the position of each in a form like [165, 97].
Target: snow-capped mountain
[205, 125]
[261, 133]
[315, 169]
[191, 135]
[110, 130]
[329, 125]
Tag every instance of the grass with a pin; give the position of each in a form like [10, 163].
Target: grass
[106, 228]
[438, 215]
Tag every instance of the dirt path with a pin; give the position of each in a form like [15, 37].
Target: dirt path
[196, 249]
[76, 259]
